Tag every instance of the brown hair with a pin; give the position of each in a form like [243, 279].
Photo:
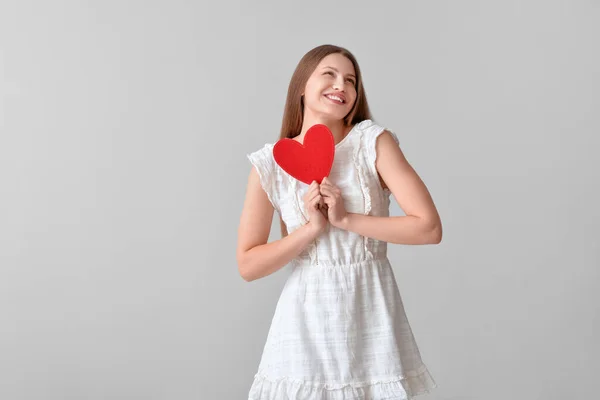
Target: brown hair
[293, 113]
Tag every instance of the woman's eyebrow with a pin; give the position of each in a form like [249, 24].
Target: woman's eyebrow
[352, 75]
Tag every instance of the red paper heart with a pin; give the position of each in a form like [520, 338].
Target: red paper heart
[310, 161]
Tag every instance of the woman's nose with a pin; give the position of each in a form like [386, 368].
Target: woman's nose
[337, 84]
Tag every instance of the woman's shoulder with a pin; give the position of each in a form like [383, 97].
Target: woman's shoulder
[371, 129]
[365, 124]
[265, 151]
[264, 162]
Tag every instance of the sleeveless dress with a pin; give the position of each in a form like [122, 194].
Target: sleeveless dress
[339, 331]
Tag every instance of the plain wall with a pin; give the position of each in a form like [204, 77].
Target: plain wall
[124, 127]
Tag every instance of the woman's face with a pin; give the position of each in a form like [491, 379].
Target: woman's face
[333, 77]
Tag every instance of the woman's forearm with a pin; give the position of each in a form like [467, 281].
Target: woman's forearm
[265, 259]
[399, 230]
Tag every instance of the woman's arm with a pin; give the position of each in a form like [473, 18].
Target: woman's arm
[422, 224]
[255, 257]
[399, 230]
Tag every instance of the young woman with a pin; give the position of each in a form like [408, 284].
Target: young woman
[339, 330]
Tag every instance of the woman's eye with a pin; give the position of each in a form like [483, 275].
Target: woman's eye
[349, 79]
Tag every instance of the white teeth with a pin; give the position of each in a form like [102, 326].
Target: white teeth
[335, 98]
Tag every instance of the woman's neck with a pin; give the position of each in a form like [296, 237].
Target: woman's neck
[337, 128]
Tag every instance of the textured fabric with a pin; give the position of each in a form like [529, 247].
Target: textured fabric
[339, 331]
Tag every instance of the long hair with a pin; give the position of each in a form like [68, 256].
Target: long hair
[293, 113]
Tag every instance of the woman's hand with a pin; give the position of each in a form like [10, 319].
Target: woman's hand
[313, 204]
[332, 196]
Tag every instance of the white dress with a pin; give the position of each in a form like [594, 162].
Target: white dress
[339, 331]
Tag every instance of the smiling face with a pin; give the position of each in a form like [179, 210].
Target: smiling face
[330, 91]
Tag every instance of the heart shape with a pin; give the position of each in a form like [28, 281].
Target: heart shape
[309, 161]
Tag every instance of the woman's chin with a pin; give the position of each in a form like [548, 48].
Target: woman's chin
[334, 114]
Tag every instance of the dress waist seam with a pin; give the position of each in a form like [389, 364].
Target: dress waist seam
[328, 264]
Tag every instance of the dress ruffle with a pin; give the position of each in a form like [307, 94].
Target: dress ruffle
[364, 187]
[261, 159]
[298, 204]
[397, 388]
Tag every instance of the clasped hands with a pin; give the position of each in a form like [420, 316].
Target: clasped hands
[324, 203]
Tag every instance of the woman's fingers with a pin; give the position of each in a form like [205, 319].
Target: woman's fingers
[318, 194]
[311, 192]
[329, 191]
[311, 195]
[325, 192]
[316, 200]
[328, 185]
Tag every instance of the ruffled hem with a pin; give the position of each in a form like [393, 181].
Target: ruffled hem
[397, 388]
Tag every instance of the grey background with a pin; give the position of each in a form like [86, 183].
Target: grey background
[124, 128]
